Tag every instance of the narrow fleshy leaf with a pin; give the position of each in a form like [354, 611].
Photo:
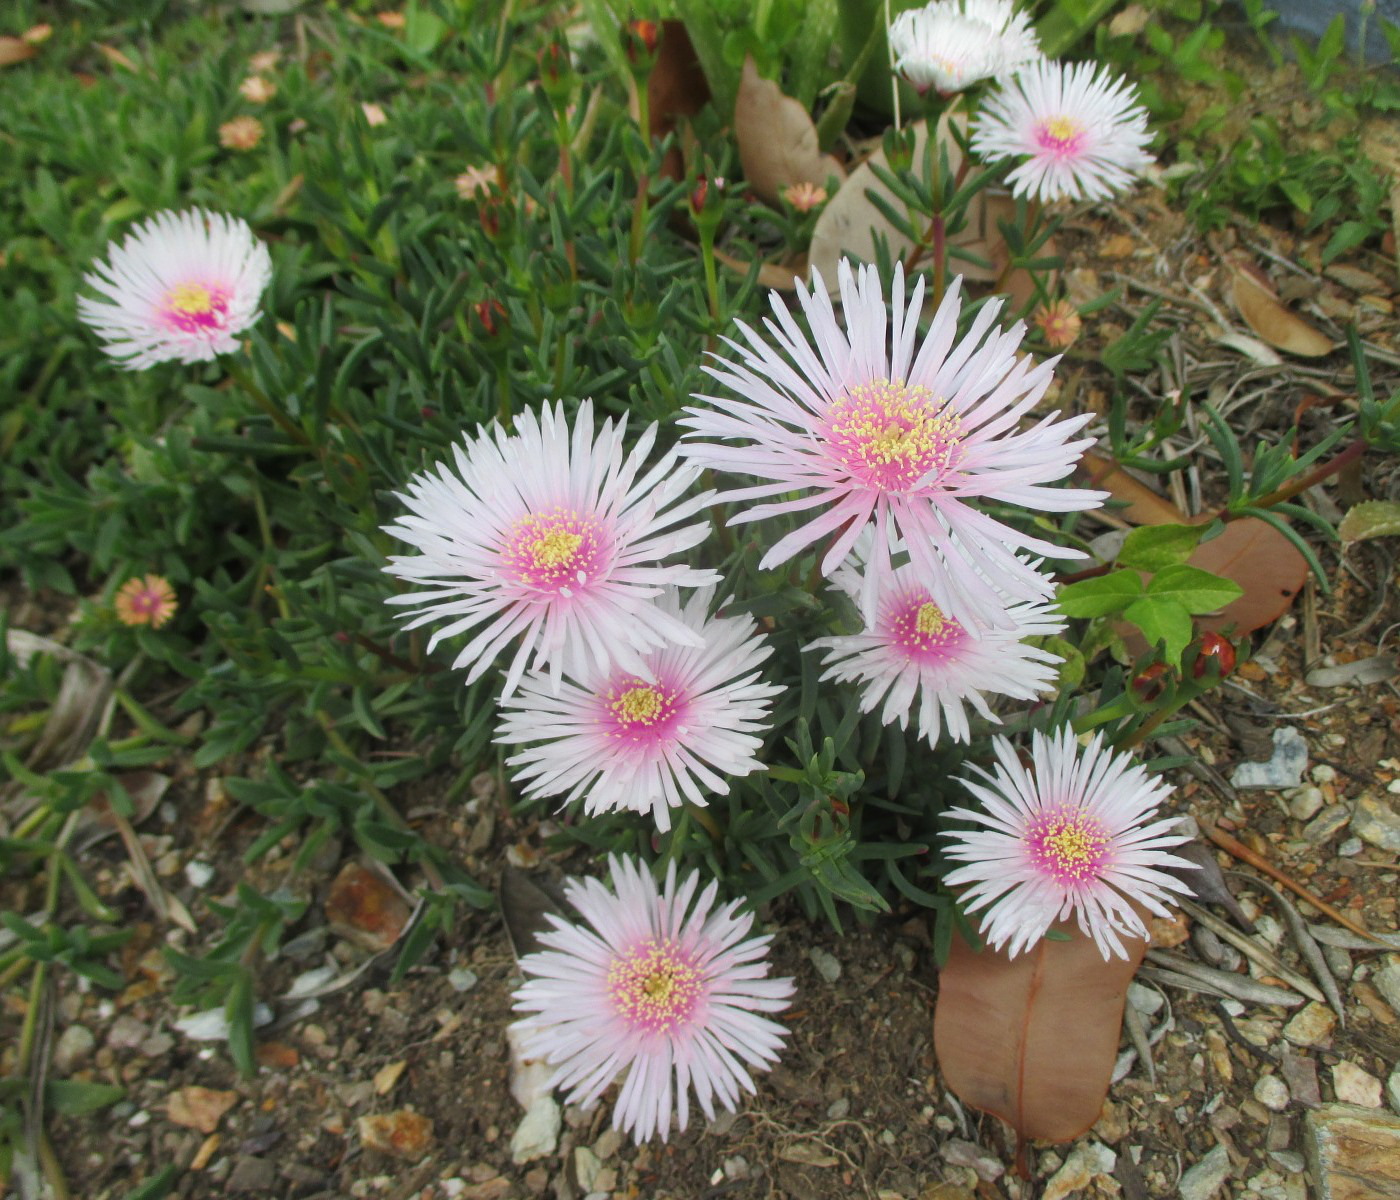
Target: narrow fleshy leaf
[1032, 1039]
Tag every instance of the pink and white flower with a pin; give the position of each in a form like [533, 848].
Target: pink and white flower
[621, 741]
[661, 990]
[1079, 132]
[1072, 835]
[555, 537]
[181, 286]
[872, 432]
[914, 651]
[951, 44]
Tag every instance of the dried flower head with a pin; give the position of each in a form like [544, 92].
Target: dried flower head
[145, 600]
[1058, 322]
[391, 20]
[241, 133]
[476, 182]
[804, 196]
[257, 90]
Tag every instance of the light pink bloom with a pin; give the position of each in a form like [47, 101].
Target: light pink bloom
[555, 537]
[622, 742]
[914, 651]
[661, 990]
[1079, 132]
[951, 44]
[1069, 836]
[181, 286]
[872, 432]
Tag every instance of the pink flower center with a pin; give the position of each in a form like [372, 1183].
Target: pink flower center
[656, 986]
[194, 307]
[1067, 844]
[640, 712]
[146, 602]
[1060, 137]
[892, 437]
[554, 552]
[924, 632]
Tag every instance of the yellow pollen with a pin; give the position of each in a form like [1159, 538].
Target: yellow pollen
[192, 298]
[638, 704]
[930, 619]
[1061, 128]
[658, 986]
[555, 548]
[1073, 845]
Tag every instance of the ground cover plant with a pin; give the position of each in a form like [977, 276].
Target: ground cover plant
[421, 454]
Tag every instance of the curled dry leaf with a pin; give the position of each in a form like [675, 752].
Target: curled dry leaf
[199, 1108]
[1006, 1040]
[777, 140]
[1264, 314]
[15, 50]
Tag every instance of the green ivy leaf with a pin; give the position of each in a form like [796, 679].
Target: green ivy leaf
[1155, 547]
[1195, 590]
[1162, 619]
[1100, 596]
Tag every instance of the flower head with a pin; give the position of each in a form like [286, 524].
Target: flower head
[914, 650]
[257, 90]
[659, 988]
[1080, 133]
[553, 536]
[374, 113]
[1059, 323]
[951, 44]
[264, 61]
[804, 196]
[242, 133]
[1069, 836]
[181, 286]
[476, 181]
[870, 431]
[620, 741]
[145, 600]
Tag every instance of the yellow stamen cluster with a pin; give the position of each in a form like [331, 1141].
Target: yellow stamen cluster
[888, 424]
[640, 705]
[654, 986]
[555, 548]
[1061, 128]
[191, 298]
[930, 619]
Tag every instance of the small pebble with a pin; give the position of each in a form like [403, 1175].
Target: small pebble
[826, 963]
[1311, 1026]
[1355, 1086]
[1144, 999]
[1306, 803]
[1351, 847]
[1271, 1092]
[462, 979]
[838, 1108]
[1322, 773]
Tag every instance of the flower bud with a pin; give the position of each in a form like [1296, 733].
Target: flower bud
[1149, 684]
[1217, 649]
[642, 40]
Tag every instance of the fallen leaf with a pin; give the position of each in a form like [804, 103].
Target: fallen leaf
[1138, 503]
[774, 276]
[15, 50]
[676, 90]
[116, 57]
[205, 1152]
[364, 909]
[199, 1108]
[1262, 561]
[1005, 1044]
[777, 140]
[1369, 519]
[387, 1076]
[1263, 313]
[276, 1055]
[809, 1154]
[402, 1133]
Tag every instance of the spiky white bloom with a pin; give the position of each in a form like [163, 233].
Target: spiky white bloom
[1069, 836]
[659, 988]
[914, 651]
[554, 537]
[872, 432]
[1081, 133]
[951, 44]
[623, 742]
[183, 286]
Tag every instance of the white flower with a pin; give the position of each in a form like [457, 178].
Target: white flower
[1069, 836]
[951, 44]
[1080, 133]
[619, 741]
[553, 537]
[181, 286]
[660, 989]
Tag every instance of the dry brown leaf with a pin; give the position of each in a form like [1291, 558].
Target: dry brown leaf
[199, 1108]
[365, 909]
[1264, 314]
[777, 140]
[15, 50]
[809, 1154]
[205, 1152]
[116, 57]
[1140, 504]
[676, 90]
[1263, 562]
[782, 277]
[403, 1133]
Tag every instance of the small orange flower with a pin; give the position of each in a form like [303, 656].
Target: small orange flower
[146, 600]
[257, 90]
[242, 133]
[264, 60]
[374, 114]
[804, 196]
[476, 182]
[1058, 323]
[391, 20]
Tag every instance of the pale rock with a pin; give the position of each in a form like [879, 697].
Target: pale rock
[462, 979]
[1329, 821]
[1085, 1163]
[1145, 999]
[1284, 768]
[1354, 1152]
[1311, 1025]
[1392, 1089]
[1351, 847]
[1355, 1086]
[828, 967]
[1290, 1160]
[607, 1144]
[1305, 803]
[537, 1135]
[959, 1153]
[529, 1077]
[1387, 981]
[1207, 1177]
[586, 1168]
[1375, 820]
[1271, 1092]
[1269, 928]
[72, 1048]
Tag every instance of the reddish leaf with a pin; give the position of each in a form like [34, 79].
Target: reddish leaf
[676, 89]
[1032, 1039]
[1263, 562]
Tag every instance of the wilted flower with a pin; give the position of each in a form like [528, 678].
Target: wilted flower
[181, 286]
[476, 181]
[555, 537]
[1080, 133]
[1067, 837]
[1058, 322]
[618, 741]
[871, 432]
[374, 114]
[951, 44]
[145, 600]
[659, 989]
[241, 133]
[264, 61]
[257, 90]
[804, 196]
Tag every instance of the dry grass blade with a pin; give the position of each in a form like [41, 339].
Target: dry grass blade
[1227, 983]
[15, 50]
[1252, 949]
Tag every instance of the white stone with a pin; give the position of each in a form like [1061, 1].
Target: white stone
[827, 965]
[1271, 1092]
[1207, 1177]
[1306, 803]
[1311, 1026]
[1392, 1089]
[198, 873]
[462, 979]
[1085, 1163]
[1355, 1086]
[73, 1046]
[1387, 981]
[537, 1135]
[1284, 768]
[1144, 999]
[586, 1167]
